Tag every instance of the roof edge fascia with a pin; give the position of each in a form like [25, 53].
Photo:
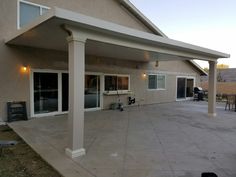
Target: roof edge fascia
[198, 67]
[123, 30]
[116, 30]
[137, 13]
[47, 16]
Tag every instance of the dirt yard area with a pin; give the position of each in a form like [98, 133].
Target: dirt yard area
[20, 160]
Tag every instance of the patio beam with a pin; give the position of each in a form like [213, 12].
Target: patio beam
[212, 88]
[155, 51]
[76, 51]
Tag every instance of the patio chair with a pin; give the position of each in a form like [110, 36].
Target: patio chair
[230, 102]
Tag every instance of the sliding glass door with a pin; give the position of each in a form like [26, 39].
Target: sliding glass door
[50, 92]
[185, 87]
[181, 88]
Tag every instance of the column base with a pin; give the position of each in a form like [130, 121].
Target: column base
[212, 114]
[76, 153]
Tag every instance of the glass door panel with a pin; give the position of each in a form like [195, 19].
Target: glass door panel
[189, 90]
[45, 92]
[65, 92]
[92, 91]
[181, 88]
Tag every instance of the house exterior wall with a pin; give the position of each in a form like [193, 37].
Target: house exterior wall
[100, 9]
[138, 83]
[15, 86]
[109, 10]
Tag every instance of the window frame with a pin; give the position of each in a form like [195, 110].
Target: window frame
[117, 91]
[41, 7]
[186, 77]
[157, 75]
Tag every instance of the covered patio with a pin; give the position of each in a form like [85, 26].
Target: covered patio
[162, 140]
[87, 35]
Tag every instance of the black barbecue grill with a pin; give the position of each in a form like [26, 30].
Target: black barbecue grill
[198, 94]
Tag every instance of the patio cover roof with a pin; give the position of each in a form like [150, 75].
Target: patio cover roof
[106, 39]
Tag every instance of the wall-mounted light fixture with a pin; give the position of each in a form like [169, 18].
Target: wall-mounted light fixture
[157, 63]
[144, 75]
[24, 69]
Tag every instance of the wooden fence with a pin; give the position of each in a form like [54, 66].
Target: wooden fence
[222, 87]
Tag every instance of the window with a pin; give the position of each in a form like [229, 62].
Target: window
[161, 81]
[110, 83]
[123, 83]
[152, 82]
[29, 12]
[156, 81]
[116, 82]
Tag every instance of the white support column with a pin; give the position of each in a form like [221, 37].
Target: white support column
[76, 96]
[212, 88]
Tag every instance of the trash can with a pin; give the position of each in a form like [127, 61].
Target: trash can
[16, 111]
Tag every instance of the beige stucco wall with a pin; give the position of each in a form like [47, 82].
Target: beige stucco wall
[109, 10]
[138, 83]
[15, 86]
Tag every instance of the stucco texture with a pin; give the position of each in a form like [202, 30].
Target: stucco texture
[15, 86]
[109, 10]
[139, 83]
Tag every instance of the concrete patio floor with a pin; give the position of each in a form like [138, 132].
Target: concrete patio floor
[162, 140]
